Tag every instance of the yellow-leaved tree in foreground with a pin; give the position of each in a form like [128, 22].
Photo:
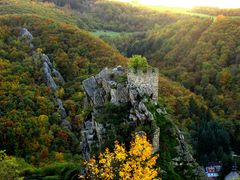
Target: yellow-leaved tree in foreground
[137, 164]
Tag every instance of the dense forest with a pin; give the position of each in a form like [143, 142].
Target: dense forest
[200, 53]
[198, 58]
[216, 11]
[210, 67]
[74, 4]
[30, 119]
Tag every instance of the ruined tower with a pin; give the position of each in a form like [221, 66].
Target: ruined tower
[145, 78]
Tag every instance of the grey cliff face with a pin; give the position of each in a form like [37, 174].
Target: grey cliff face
[26, 35]
[112, 85]
[185, 158]
[90, 86]
[48, 76]
[58, 75]
[45, 58]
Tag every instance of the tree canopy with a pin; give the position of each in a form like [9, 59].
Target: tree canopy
[138, 62]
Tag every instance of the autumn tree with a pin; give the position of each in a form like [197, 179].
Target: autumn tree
[220, 17]
[137, 163]
[224, 77]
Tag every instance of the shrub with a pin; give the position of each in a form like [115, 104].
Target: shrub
[138, 62]
[137, 163]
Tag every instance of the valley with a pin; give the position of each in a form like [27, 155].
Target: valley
[43, 119]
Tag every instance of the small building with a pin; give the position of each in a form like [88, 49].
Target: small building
[233, 175]
[212, 171]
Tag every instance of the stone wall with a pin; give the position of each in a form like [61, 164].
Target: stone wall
[141, 78]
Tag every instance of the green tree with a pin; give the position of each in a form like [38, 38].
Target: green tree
[2, 155]
[138, 62]
[193, 107]
[9, 168]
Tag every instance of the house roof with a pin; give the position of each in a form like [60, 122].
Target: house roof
[232, 175]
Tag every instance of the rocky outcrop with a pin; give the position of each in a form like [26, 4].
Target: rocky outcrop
[48, 76]
[111, 85]
[184, 159]
[115, 87]
[146, 80]
[90, 86]
[155, 140]
[42, 61]
[58, 75]
[26, 37]
[98, 90]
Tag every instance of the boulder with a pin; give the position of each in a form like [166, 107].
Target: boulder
[58, 75]
[47, 73]
[46, 59]
[155, 140]
[90, 86]
[119, 95]
[114, 98]
[26, 36]
[133, 95]
[98, 97]
[112, 84]
[61, 108]
[119, 70]
[107, 88]
[122, 93]
[105, 74]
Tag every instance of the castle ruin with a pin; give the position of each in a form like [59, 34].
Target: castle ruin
[140, 78]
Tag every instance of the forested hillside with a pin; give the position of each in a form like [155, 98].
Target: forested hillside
[201, 54]
[216, 11]
[30, 120]
[197, 54]
[45, 10]
[74, 4]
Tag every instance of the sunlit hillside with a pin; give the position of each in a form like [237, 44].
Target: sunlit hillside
[119, 89]
[47, 10]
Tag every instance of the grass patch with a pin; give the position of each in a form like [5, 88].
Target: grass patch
[111, 34]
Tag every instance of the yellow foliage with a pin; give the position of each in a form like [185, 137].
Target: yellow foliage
[4, 64]
[220, 17]
[138, 163]
[43, 119]
[14, 85]
[60, 92]
[225, 77]
[59, 157]
[39, 50]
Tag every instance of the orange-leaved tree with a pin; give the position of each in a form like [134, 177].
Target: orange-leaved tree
[135, 164]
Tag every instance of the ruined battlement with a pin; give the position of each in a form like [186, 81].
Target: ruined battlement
[148, 77]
